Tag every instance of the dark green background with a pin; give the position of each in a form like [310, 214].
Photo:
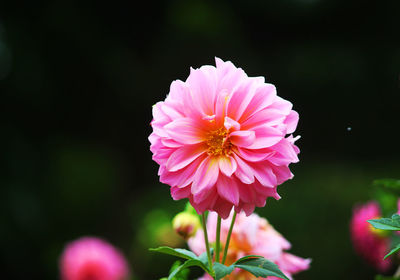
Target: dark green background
[78, 79]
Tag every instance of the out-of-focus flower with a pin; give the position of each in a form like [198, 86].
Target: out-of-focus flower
[186, 224]
[220, 139]
[370, 243]
[251, 235]
[92, 258]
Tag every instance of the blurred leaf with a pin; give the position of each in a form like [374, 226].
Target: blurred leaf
[386, 223]
[381, 277]
[222, 270]
[245, 258]
[394, 250]
[388, 183]
[182, 275]
[261, 267]
[387, 200]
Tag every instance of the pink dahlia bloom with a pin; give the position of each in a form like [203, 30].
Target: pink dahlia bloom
[370, 243]
[220, 139]
[251, 235]
[92, 258]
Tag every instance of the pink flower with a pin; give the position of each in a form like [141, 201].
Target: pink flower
[370, 243]
[220, 139]
[251, 235]
[92, 258]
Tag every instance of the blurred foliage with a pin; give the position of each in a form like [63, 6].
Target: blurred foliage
[78, 80]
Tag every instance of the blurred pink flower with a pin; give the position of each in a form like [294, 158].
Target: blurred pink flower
[370, 243]
[251, 235]
[92, 258]
[219, 138]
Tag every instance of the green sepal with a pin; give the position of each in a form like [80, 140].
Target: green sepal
[222, 270]
[182, 253]
[386, 223]
[260, 267]
[394, 250]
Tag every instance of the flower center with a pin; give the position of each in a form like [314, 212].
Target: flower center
[218, 142]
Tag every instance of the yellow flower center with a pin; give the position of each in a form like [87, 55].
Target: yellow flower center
[218, 142]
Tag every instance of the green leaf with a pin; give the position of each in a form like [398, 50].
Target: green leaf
[261, 267]
[204, 259]
[185, 265]
[394, 250]
[182, 253]
[386, 223]
[245, 258]
[222, 270]
[388, 183]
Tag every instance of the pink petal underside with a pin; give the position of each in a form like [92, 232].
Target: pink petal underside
[205, 200]
[182, 177]
[206, 175]
[202, 83]
[185, 130]
[264, 96]
[243, 138]
[265, 192]
[228, 189]
[264, 174]
[247, 193]
[255, 155]
[282, 173]
[291, 121]
[223, 208]
[227, 165]
[266, 137]
[180, 193]
[242, 96]
[248, 208]
[181, 157]
[266, 117]
[243, 171]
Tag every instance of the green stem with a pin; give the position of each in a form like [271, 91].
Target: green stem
[203, 219]
[217, 239]
[228, 238]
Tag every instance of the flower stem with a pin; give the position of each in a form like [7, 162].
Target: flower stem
[228, 238]
[217, 239]
[203, 219]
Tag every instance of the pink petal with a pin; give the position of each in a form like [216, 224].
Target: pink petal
[185, 130]
[206, 175]
[264, 96]
[282, 173]
[267, 117]
[281, 105]
[264, 174]
[266, 137]
[184, 155]
[182, 177]
[231, 124]
[242, 96]
[202, 83]
[227, 165]
[228, 189]
[243, 172]
[255, 155]
[243, 138]
[291, 121]
[223, 208]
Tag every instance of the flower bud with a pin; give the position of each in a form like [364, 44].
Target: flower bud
[186, 224]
